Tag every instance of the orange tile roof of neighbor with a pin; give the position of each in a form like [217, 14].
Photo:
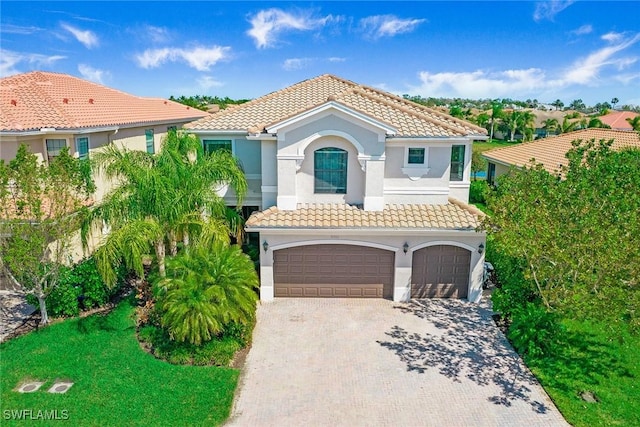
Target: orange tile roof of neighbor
[38, 99]
[618, 119]
[410, 119]
[455, 215]
[551, 151]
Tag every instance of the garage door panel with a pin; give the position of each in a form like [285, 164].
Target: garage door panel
[440, 271]
[338, 271]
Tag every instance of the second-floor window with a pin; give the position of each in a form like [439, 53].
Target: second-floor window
[150, 144]
[457, 163]
[330, 170]
[415, 156]
[211, 145]
[82, 147]
[54, 146]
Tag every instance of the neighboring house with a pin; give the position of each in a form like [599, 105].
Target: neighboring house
[550, 152]
[358, 192]
[618, 119]
[48, 111]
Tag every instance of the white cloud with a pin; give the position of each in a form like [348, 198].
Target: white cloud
[208, 82]
[387, 25]
[92, 74]
[18, 29]
[200, 58]
[480, 83]
[550, 8]
[86, 37]
[268, 24]
[336, 59]
[156, 34]
[9, 61]
[586, 70]
[293, 64]
[584, 29]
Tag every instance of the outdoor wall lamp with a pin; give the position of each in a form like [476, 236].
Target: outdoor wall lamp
[481, 248]
[405, 247]
[265, 246]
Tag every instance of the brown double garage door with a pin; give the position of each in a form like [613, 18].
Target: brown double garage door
[347, 271]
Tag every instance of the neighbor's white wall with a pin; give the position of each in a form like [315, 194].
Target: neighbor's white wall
[390, 241]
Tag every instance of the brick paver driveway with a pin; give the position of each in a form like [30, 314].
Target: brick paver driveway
[355, 362]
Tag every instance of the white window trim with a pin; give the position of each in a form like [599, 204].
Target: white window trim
[415, 171]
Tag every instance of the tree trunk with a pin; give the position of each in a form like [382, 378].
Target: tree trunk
[173, 244]
[44, 318]
[185, 238]
[160, 255]
[491, 136]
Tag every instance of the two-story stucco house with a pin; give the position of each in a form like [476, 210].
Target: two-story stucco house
[357, 192]
[48, 111]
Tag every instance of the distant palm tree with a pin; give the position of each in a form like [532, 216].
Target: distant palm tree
[205, 289]
[550, 125]
[526, 124]
[595, 122]
[496, 114]
[568, 126]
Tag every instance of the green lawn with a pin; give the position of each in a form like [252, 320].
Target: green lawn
[599, 361]
[490, 145]
[116, 382]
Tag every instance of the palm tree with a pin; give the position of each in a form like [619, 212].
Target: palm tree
[558, 104]
[205, 289]
[159, 197]
[568, 126]
[634, 122]
[496, 114]
[595, 122]
[550, 125]
[526, 124]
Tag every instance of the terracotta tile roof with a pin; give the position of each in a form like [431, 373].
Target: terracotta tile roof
[455, 215]
[39, 99]
[618, 119]
[410, 119]
[551, 151]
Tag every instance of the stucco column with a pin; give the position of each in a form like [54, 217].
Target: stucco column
[287, 168]
[374, 185]
[402, 279]
[266, 273]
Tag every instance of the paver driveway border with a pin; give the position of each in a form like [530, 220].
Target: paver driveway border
[363, 362]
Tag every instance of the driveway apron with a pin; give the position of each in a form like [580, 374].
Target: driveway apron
[363, 362]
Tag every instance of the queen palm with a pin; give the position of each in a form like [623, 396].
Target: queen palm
[159, 196]
[634, 122]
[205, 289]
[550, 125]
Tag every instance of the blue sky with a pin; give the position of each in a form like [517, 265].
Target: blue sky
[541, 50]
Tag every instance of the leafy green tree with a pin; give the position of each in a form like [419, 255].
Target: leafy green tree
[40, 209]
[478, 163]
[575, 231]
[634, 122]
[205, 289]
[160, 197]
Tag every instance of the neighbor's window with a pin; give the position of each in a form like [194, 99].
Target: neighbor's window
[330, 170]
[457, 163]
[491, 173]
[82, 146]
[54, 146]
[415, 156]
[172, 128]
[211, 145]
[150, 145]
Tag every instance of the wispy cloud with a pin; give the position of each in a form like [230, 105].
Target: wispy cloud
[587, 69]
[156, 34]
[93, 74]
[268, 24]
[86, 37]
[293, 64]
[19, 29]
[378, 26]
[584, 29]
[550, 8]
[208, 82]
[198, 57]
[10, 61]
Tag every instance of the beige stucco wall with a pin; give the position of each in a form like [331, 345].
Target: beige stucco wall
[391, 240]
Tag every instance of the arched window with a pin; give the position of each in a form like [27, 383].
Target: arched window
[330, 170]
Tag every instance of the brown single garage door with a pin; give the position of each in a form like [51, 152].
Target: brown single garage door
[333, 271]
[440, 272]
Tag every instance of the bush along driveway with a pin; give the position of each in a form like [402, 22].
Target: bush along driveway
[365, 362]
